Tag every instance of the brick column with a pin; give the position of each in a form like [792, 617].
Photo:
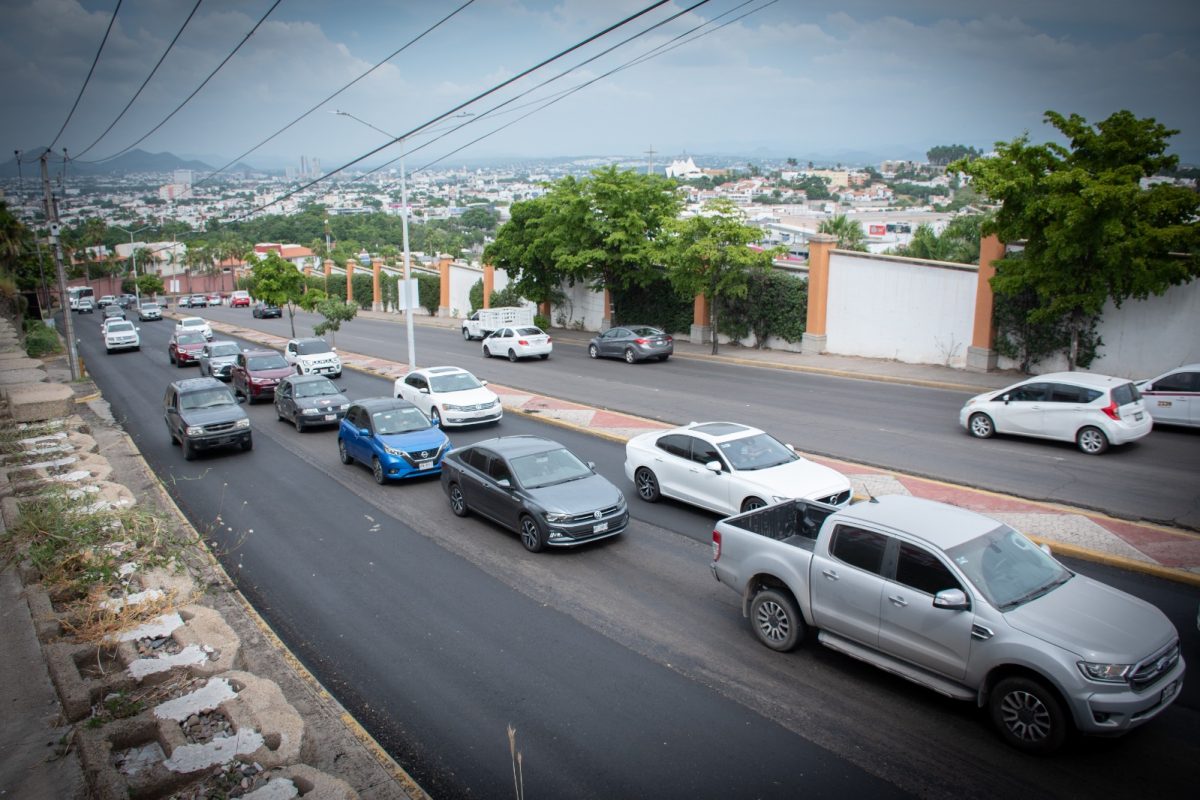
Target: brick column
[328, 268]
[444, 273]
[701, 331]
[606, 315]
[376, 296]
[544, 310]
[349, 282]
[980, 355]
[819, 247]
[489, 284]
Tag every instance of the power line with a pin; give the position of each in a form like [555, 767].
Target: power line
[138, 93]
[411, 42]
[88, 79]
[204, 83]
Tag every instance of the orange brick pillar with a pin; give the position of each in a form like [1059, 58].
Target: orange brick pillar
[980, 355]
[349, 280]
[544, 310]
[819, 247]
[606, 314]
[701, 331]
[376, 295]
[444, 274]
[328, 271]
[489, 284]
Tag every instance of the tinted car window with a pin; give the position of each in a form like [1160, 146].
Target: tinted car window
[1030, 392]
[924, 571]
[859, 548]
[1179, 382]
[498, 470]
[676, 445]
[1125, 394]
[475, 458]
[1066, 393]
[703, 452]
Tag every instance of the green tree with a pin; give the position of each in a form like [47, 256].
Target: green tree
[708, 254]
[149, 284]
[278, 282]
[849, 233]
[958, 241]
[943, 154]
[1091, 232]
[524, 248]
[335, 312]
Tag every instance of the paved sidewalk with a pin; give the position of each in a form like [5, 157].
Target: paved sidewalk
[1156, 549]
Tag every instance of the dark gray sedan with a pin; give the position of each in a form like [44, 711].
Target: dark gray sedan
[218, 358]
[535, 487]
[633, 343]
[309, 400]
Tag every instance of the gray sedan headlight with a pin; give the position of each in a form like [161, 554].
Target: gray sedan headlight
[311, 411]
[1108, 673]
[557, 517]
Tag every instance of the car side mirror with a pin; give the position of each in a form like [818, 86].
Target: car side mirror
[240, 398]
[1005, 399]
[1045, 548]
[483, 383]
[713, 466]
[333, 349]
[423, 390]
[951, 600]
[789, 447]
[364, 432]
[591, 465]
[504, 482]
[1149, 387]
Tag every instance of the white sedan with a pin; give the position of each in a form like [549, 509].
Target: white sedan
[727, 467]
[521, 342]
[1174, 398]
[194, 325]
[449, 396]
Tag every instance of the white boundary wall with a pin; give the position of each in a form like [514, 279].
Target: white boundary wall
[919, 312]
[583, 309]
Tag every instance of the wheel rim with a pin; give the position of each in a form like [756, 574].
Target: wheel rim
[773, 622]
[752, 504]
[466, 334]
[628, 356]
[342, 452]
[512, 355]
[487, 353]
[1025, 716]
[646, 487]
[592, 351]
[1091, 441]
[980, 426]
[377, 471]
[458, 504]
[529, 534]
[435, 417]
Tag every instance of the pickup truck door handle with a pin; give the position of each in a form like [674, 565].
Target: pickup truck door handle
[897, 600]
[829, 573]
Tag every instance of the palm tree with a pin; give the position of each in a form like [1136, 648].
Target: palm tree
[849, 233]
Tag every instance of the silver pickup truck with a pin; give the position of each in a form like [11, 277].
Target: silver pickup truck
[959, 603]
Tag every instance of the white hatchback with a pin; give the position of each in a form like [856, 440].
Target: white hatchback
[520, 342]
[450, 396]
[728, 468]
[1174, 397]
[194, 325]
[1094, 411]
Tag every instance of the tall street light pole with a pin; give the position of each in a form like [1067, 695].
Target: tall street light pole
[133, 258]
[409, 300]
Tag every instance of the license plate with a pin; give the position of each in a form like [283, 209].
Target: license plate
[330, 417]
[1169, 692]
[1137, 417]
[600, 527]
[425, 465]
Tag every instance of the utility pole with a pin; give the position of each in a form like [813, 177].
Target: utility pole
[52, 219]
[650, 159]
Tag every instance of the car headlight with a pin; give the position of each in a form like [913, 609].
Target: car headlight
[242, 423]
[1108, 673]
[452, 407]
[194, 430]
[391, 451]
[343, 406]
[311, 411]
[556, 517]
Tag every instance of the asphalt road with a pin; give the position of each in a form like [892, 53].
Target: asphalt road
[626, 670]
[907, 428]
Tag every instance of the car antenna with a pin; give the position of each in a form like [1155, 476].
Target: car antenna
[870, 497]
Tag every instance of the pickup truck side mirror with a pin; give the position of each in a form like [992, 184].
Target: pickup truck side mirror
[713, 466]
[951, 599]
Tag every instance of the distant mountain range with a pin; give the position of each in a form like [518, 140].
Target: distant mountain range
[135, 161]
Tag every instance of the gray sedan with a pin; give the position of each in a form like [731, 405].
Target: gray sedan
[535, 487]
[218, 358]
[309, 400]
[633, 343]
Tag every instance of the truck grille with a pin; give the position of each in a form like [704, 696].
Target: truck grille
[1149, 670]
[219, 427]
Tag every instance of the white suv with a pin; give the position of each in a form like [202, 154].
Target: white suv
[313, 356]
[1094, 411]
[121, 335]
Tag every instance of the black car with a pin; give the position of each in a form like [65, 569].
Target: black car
[309, 400]
[202, 414]
[264, 310]
[113, 311]
[535, 487]
[633, 343]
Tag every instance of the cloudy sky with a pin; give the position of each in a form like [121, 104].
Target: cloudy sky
[811, 80]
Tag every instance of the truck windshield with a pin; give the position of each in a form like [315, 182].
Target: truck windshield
[1008, 568]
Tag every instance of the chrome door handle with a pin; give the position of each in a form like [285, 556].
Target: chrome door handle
[897, 600]
[831, 574]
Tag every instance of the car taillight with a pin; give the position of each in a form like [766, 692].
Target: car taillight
[548, 340]
[642, 341]
[523, 342]
[1113, 410]
[716, 545]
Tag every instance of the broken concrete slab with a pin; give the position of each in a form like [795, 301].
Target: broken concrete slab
[39, 401]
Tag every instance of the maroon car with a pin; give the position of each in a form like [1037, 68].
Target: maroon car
[257, 372]
[185, 348]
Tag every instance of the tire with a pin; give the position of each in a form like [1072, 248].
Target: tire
[336, 375]
[776, 620]
[179, 363]
[247, 444]
[486, 353]
[981, 426]
[1028, 715]
[345, 457]
[466, 335]
[170, 357]
[189, 452]
[108, 351]
[531, 535]
[630, 358]
[377, 471]
[298, 370]
[458, 502]
[593, 352]
[647, 485]
[1091, 440]
[512, 356]
[664, 358]
[751, 503]
[299, 425]
[543, 356]
[435, 416]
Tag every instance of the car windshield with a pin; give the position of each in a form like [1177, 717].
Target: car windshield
[646, 331]
[548, 468]
[189, 338]
[194, 322]
[120, 326]
[149, 306]
[273, 361]
[319, 388]
[209, 398]
[229, 349]
[312, 347]
[112, 311]
[458, 382]
[759, 451]
[399, 420]
[1008, 568]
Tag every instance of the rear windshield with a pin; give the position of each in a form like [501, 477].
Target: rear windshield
[1125, 394]
[225, 349]
[529, 331]
[120, 326]
[266, 362]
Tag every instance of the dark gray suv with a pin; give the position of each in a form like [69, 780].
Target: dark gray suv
[202, 413]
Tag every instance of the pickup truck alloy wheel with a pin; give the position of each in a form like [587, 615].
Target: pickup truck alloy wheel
[1028, 715]
[342, 454]
[647, 485]
[531, 537]
[980, 426]
[466, 335]
[1091, 441]
[593, 352]
[776, 620]
[458, 503]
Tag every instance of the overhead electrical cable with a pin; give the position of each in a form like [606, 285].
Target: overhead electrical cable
[143, 86]
[204, 83]
[459, 107]
[88, 79]
[411, 42]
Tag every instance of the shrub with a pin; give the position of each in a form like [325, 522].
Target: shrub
[476, 296]
[657, 304]
[429, 292]
[41, 340]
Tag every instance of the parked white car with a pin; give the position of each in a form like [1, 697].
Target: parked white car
[450, 396]
[121, 334]
[728, 468]
[313, 356]
[194, 325]
[1174, 397]
[1094, 411]
[521, 342]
